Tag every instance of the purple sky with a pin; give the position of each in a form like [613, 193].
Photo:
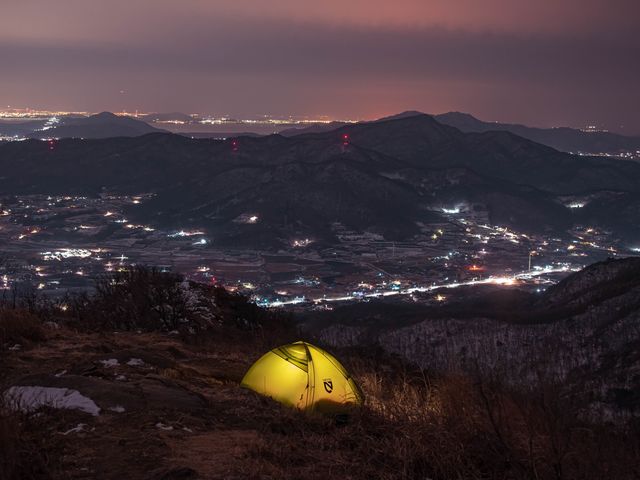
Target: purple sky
[543, 62]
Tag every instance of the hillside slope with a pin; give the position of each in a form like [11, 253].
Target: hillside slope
[564, 138]
[164, 409]
[582, 333]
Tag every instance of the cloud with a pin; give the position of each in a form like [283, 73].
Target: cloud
[104, 19]
[275, 62]
[314, 51]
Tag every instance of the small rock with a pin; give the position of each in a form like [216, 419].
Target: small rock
[111, 362]
[135, 362]
[76, 429]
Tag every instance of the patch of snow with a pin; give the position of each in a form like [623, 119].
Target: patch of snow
[16, 347]
[121, 378]
[393, 175]
[162, 426]
[30, 398]
[135, 362]
[117, 409]
[112, 362]
[60, 374]
[77, 429]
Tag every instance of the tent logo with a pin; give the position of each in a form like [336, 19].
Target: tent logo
[328, 385]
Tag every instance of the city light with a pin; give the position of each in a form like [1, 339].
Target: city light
[183, 233]
[302, 243]
[451, 211]
[65, 253]
[247, 218]
[458, 256]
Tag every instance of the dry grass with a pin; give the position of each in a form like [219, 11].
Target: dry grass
[24, 440]
[413, 425]
[444, 428]
[19, 327]
[26, 447]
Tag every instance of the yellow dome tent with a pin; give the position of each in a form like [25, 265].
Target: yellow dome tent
[305, 377]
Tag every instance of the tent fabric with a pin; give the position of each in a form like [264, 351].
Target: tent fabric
[304, 376]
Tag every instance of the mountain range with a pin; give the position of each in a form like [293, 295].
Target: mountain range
[384, 176]
[564, 139]
[105, 125]
[101, 125]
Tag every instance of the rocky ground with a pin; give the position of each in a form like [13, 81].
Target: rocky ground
[164, 409]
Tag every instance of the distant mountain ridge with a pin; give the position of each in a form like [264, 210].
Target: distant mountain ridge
[105, 125]
[167, 117]
[564, 139]
[101, 125]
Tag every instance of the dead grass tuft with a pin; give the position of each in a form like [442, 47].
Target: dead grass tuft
[452, 427]
[26, 452]
[19, 327]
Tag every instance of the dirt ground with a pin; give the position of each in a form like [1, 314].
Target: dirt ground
[167, 409]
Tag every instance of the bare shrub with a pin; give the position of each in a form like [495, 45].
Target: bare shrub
[140, 298]
[25, 450]
[446, 427]
[19, 327]
[151, 300]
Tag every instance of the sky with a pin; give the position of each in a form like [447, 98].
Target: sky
[542, 62]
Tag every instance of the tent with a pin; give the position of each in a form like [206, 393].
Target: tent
[304, 376]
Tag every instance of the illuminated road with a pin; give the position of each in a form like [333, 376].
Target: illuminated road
[506, 280]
